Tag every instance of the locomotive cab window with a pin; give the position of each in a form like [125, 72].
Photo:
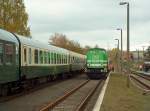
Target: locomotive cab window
[9, 54]
[1, 53]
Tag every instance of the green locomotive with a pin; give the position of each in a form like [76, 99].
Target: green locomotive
[96, 63]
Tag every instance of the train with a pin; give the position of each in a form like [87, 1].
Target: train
[25, 61]
[96, 63]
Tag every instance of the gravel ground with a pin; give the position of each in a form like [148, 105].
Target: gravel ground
[34, 101]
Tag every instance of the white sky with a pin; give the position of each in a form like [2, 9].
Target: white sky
[90, 22]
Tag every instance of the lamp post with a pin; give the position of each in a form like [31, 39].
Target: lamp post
[118, 55]
[128, 33]
[121, 47]
[128, 41]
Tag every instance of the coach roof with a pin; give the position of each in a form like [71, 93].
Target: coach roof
[37, 44]
[7, 36]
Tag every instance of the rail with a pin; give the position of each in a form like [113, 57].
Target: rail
[84, 101]
[59, 100]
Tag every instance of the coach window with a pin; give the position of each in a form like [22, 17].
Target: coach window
[55, 58]
[49, 58]
[45, 57]
[30, 56]
[62, 59]
[36, 56]
[59, 58]
[1, 53]
[65, 59]
[25, 55]
[9, 53]
[41, 57]
[17, 55]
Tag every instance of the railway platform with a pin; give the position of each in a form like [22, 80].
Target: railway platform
[119, 97]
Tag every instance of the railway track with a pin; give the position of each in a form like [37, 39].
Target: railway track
[29, 90]
[142, 80]
[141, 74]
[33, 101]
[75, 99]
[147, 77]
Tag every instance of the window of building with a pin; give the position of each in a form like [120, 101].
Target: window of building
[41, 57]
[36, 56]
[1, 53]
[9, 53]
[30, 56]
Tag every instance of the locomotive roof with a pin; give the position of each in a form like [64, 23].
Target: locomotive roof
[97, 48]
[37, 44]
[7, 36]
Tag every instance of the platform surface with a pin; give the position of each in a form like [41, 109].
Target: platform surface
[119, 97]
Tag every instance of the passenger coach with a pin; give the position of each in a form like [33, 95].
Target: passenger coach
[27, 61]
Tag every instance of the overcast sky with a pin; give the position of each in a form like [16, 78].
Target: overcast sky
[90, 22]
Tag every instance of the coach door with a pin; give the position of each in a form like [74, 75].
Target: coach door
[10, 67]
[25, 63]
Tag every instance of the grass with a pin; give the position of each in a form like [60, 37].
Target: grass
[120, 98]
